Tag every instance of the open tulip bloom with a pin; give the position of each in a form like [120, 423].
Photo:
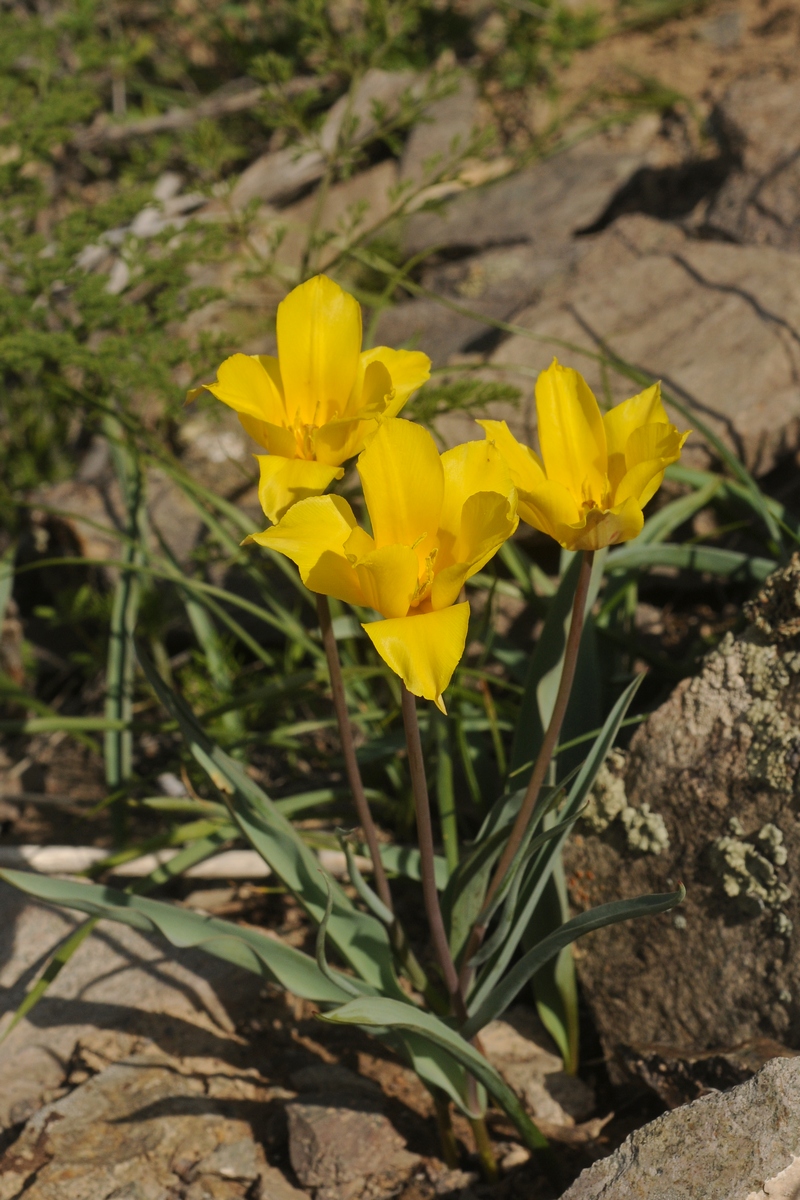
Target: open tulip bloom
[596, 471]
[436, 520]
[314, 405]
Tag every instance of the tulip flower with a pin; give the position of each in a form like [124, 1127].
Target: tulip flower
[314, 406]
[435, 520]
[596, 471]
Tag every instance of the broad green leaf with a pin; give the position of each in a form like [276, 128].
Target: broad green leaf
[673, 515]
[361, 939]
[730, 563]
[504, 994]
[243, 946]
[195, 853]
[378, 1013]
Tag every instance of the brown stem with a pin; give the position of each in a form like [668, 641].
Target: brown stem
[430, 895]
[483, 1145]
[349, 750]
[545, 754]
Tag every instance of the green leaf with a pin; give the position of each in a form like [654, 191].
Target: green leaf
[729, 563]
[498, 1000]
[361, 939]
[677, 512]
[377, 1013]
[543, 866]
[544, 671]
[240, 945]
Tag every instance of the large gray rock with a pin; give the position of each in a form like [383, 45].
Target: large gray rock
[707, 794]
[737, 1145]
[119, 986]
[717, 322]
[760, 202]
[148, 1128]
[544, 204]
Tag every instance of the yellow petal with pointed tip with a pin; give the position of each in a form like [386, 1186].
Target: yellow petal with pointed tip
[284, 481]
[312, 534]
[401, 474]
[245, 384]
[620, 422]
[468, 469]
[388, 579]
[408, 370]
[423, 649]
[319, 344]
[524, 464]
[274, 438]
[488, 519]
[571, 432]
[649, 450]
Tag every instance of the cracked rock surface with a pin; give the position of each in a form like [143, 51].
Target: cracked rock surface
[719, 762]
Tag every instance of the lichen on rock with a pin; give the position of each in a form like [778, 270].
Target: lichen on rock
[645, 831]
[749, 876]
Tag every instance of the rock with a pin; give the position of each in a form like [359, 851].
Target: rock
[496, 283]
[737, 1145]
[283, 173]
[346, 1152]
[340, 1140]
[522, 1051]
[718, 762]
[118, 993]
[760, 202]
[715, 321]
[443, 132]
[544, 204]
[147, 1128]
[677, 1077]
[350, 208]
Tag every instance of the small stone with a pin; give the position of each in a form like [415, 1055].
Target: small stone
[337, 1149]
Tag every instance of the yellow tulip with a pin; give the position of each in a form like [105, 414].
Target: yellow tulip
[596, 471]
[314, 405]
[435, 519]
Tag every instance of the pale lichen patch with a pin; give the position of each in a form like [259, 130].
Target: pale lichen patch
[749, 875]
[645, 831]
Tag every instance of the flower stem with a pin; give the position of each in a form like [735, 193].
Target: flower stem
[430, 894]
[447, 1137]
[349, 750]
[483, 1144]
[545, 754]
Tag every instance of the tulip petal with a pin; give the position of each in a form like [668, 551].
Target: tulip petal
[423, 649]
[319, 343]
[408, 370]
[274, 438]
[549, 508]
[250, 384]
[312, 534]
[648, 451]
[644, 409]
[284, 481]
[488, 519]
[571, 432]
[524, 464]
[388, 579]
[606, 528]
[339, 440]
[468, 469]
[403, 481]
